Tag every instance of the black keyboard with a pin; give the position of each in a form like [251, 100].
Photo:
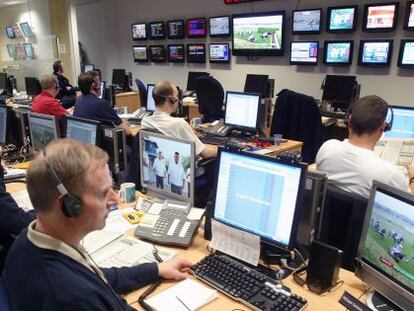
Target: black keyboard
[212, 139]
[333, 114]
[247, 285]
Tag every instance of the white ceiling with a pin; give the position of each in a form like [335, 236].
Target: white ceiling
[7, 3]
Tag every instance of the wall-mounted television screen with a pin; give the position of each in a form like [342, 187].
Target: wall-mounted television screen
[409, 16]
[196, 27]
[342, 18]
[304, 52]
[10, 32]
[258, 34]
[196, 53]
[219, 53]
[375, 52]
[406, 54]
[219, 26]
[156, 30]
[157, 53]
[380, 17]
[338, 53]
[140, 53]
[28, 50]
[26, 29]
[306, 21]
[175, 29]
[176, 53]
[139, 31]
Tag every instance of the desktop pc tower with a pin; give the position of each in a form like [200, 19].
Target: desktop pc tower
[19, 125]
[114, 143]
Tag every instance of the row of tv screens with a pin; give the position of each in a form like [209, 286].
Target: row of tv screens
[175, 53]
[19, 30]
[377, 17]
[371, 53]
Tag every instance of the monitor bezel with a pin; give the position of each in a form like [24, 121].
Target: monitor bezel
[219, 35]
[307, 32]
[31, 115]
[407, 16]
[297, 63]
[3, 142]
[325, 53]
[369, 273]
[169, 36]
[361, 50]
[146, 32]
[171, 60]
[298, 206]
[188, 54]
[258, 110]
[144, 134]
[151, 56]
[146, 54]
[88, 121]
[401, 53]
[219, 61]
[150, 34]
[365, 17]
[148, 95]
[329, 16]
[12, 31]
[189, 35]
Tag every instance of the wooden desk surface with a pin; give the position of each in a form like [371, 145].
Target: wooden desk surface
[126, 94]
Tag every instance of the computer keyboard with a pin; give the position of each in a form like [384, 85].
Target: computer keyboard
[212, 139]
[333, 114]
[244, 284]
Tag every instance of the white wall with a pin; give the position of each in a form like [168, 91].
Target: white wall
[393, 84]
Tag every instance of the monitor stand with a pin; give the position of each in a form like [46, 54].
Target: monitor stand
[377, 302]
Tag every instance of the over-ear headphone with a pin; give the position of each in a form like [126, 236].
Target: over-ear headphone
[72, 205]
[388, 124]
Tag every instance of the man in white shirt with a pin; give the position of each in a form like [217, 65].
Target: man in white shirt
[160, 170]
[351, 164]
[176, 175]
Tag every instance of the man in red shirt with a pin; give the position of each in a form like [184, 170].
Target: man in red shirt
[46, 102]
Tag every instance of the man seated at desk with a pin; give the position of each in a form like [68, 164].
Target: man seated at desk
[67, 93]
[351, 164]
[70, 187]
[46, 101]
[90, 106]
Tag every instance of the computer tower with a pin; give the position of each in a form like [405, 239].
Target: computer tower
[113, 141]
[19, 133]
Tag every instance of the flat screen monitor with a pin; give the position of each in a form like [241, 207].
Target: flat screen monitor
[219, 26]
[258, 34]
[10, 32]
[304, 52]
[256, 84]
[176, 53]
[402, 123]
[43, 129]
[196, 53]
[267, 205]
[306, 21]
[192, 77]
[26, 29]
[157, 53]
[167, 166]
[342, 18]
[196, 27]
[84, 130]
[140, 53]
[386, 247]
[242, 109]
[406, 54]
[150, 100]
[102, 90]
[409, 16]
[375, 52]
[28, 50]
[339, 90]
[88, 67]
[3, 81]
[219, 52]
[156, 30]
[3, 124]
[338, 53]
[118, 76]
[380, 17]
[33, 86]
[139, 31]
[175, 29]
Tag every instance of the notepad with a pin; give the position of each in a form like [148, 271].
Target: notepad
[187, 294]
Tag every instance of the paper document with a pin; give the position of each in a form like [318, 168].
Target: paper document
[12, 173]
[263, 151]
[195, 213]
[396, 150]
[186, 295]
[236, 243]
[98, 239]
[23, 200]
[116, 221]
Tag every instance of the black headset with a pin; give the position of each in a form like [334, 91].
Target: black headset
[388, 125]
[72, 205]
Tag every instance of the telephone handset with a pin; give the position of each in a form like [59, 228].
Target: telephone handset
[220, 129]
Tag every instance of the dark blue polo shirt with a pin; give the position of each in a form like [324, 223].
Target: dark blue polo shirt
[91, 107]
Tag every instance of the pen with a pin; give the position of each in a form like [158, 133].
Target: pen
[182, 302]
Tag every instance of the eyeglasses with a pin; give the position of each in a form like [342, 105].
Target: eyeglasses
[174, 99]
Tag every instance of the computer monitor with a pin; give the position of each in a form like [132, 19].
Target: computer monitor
[192, 77]
[406, 54]
[175, 29]
[102, 89]
[139, 31]
[196, 53]
[342, 18]
[3, 124]
[85, 130]
[338, 53]
[3, 81]
[306, 21]
[267, 205]
[157, 53]
[386, 248]
[242, 110]
[219, 26]
[380, 17]
[26, 29]
[304, 52]
[156, 30]
[176, 53]
[43, 129]
[339, 90]
[33, 86]
[167, 166]
[409, 16]
[196, 27]
[10, 32]
[219, 52]
[118, 76]
[402, 122]
[140, 53]
[88, 67]
[256, 84]
[150, 100]
[375, 53]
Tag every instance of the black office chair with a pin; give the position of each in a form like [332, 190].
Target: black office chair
[342, 222]
[142, 92]
[210, 96]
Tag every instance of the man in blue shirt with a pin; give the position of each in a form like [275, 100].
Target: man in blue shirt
[90, 106]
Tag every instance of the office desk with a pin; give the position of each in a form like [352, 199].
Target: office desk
[131, 100]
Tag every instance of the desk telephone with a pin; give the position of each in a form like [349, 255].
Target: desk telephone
[219, 129]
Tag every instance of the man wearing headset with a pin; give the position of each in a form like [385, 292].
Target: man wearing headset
[351, 164]
[70, 187]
